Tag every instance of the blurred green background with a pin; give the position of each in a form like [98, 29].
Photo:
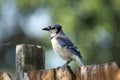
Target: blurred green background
[93, 25]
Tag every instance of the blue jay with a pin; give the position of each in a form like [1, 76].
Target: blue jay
[62, 45]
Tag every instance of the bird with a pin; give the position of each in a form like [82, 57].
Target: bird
[63, 46]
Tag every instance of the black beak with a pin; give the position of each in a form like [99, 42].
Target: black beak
[46, 29]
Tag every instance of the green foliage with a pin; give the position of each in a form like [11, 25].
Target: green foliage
[93, 25]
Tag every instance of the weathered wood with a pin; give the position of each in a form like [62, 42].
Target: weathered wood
[5, 76]
[29, 57]
[61, 73]
[117, 75]
[107, 71]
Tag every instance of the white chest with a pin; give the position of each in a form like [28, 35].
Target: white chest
[62, 52]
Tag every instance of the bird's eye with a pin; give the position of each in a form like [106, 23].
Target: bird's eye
[53, 27]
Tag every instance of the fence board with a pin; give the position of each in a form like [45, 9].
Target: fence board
[107, 71]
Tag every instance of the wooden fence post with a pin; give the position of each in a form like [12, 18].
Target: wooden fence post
[28, 57]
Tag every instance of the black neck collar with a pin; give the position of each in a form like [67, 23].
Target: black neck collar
[52, 37]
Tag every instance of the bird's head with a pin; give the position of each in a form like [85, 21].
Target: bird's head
[53, 29]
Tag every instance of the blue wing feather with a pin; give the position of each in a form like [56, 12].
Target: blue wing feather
[65, 42]
[75, 51]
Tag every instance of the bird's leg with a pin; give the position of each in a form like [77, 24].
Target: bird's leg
[66, 64]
